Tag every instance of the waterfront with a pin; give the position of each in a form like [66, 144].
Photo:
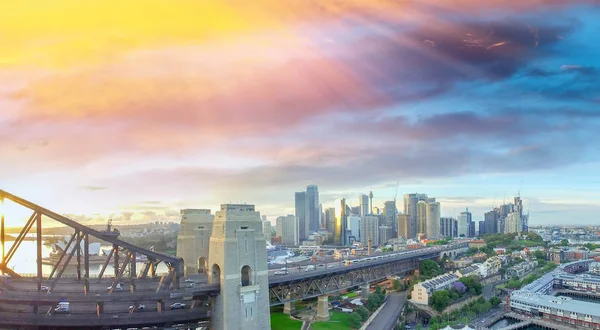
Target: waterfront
[505, 322]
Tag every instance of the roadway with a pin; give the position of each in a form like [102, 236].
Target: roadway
[389, 314]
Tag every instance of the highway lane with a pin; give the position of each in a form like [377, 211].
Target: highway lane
[387, 317]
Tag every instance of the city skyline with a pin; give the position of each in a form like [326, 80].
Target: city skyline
[469, 102]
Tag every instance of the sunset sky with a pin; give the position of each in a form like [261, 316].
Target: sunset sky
[135, 109]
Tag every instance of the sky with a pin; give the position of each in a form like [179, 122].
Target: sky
[136, 109]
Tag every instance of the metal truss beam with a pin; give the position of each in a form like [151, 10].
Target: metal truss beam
[330, 283]
[62, 255]
[64, 266]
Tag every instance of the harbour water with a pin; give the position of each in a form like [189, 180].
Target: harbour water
[24, 261]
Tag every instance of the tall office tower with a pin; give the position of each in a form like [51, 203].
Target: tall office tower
[518, 205]
[322, 217]
[481, 228]
[505, 209]
[355, 210]
[448, 227]
[267, 229]
[363, 201]
[491, 222]
[410, 209]
[376, 210]
[433, 219]
[300, 213]
[340, 222]
[463, 225]
[403, 225]
[471, 232]
[354, 226]
[313, 214]
[369, 228]
[287, 229]
[389, 212]
[513, 223]
[385, 234]
[330, 220]
[421, 218]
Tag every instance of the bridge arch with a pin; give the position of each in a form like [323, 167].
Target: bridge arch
[202, 265]
[215, 275]
[246, 275]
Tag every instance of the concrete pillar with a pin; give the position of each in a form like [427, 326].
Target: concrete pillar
[160, 305]
[365, 291]
[99, 308]
[289, 308]
[323, 308]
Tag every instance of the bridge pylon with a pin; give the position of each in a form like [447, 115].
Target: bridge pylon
[238, 262]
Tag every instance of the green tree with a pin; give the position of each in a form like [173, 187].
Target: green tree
[439, 300]
[363, 312]
[430, 268]
[495, 301]
[539, 255]
[400, 326]
[564, 242]
[355, 320]
[472, 284]
[396, 285]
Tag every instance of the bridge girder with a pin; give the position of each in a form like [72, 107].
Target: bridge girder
[330, 283]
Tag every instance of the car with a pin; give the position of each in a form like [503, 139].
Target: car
[44, 288]
[191, 285]
[188, 280]
[177, 306]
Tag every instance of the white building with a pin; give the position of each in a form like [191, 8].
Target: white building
[462, 225]
[433, 219]
[354, 226]
[513, 223]
[287, 227]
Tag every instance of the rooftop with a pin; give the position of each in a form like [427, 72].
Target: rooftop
[563, 303]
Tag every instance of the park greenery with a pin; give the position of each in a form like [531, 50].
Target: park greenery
[464, 314]
[430, 269]
[466, 286]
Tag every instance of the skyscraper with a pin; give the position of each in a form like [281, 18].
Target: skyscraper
[491, 222]
[340, 222]
[369, 228]
[403, 225]
[433, 219]
[513, 223]
[448, 227]
[300, 213]
[410, 209]
[481, 228]
[421, 217]
[354, 226]
[330, 220]
[463, 225]
[363, 202]
[287, 229]
[313, 214]
[389, 212]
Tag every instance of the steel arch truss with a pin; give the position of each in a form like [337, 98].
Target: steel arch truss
[78, 247]
[311, 287]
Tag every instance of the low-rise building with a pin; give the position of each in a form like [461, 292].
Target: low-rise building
[423, 290]
[468, 271]
[559, 255]
[490, 267]
[460, 263]
[522, 269]
[477, 244]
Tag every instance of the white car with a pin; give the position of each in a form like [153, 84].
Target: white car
[45, 288]
[177, 306]
[140, 307]
[188, 280]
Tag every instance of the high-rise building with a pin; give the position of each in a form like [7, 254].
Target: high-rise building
[287, 229]
[471, 231]
[410, 209]
[403, 225]
[340, 222]
[389, 212]
[313, 213]
[267, 229]
[422, 218]
[433, 219]
[369, 228]
[363, 201]
[330, 220]
[322, 217]
[355, 210]
[448, 227]
[385, 234]
[354, 226]
[481, 228]
[491, 222]
[301, 214]
[463, 225]
[513, 223]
